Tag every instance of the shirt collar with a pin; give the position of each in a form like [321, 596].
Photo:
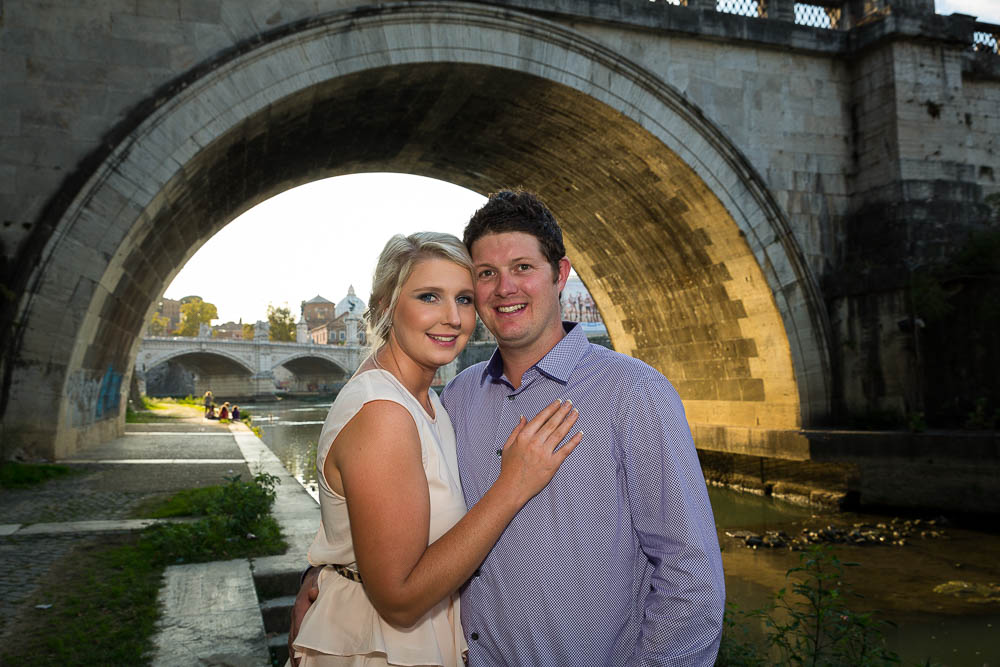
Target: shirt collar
[557, 364]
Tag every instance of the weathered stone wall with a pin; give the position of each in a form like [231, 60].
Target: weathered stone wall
[711, 171]
[786, 111]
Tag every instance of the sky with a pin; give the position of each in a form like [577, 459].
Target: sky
[987, 10]
[318, 238]
[325, 236]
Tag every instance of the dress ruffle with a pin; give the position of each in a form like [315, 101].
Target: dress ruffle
[359, 631]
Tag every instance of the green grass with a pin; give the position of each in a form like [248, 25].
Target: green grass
[132, 417]
[189, 502]
[103, 608]
[196, 401]
[103, 595]
[14, 475]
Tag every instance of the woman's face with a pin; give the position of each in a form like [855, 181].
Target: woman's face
[435, 313]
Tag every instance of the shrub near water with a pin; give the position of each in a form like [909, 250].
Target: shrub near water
[237, 523]
[812, 626]
[99, 605]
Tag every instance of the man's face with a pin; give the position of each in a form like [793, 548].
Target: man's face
[517, 292]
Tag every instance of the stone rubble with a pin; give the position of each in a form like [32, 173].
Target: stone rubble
[896, 532]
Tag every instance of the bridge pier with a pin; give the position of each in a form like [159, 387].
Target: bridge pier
[757, 206]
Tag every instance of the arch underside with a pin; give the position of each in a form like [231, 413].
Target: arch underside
[205, 363]
[684, 262]
[312, 366]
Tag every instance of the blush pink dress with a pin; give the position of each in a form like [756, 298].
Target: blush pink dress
[342, 627]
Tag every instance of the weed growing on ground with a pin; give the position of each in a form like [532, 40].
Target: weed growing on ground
[99, 604]
[811, 626]
[97, 607]
[237, 522]
[15, 475]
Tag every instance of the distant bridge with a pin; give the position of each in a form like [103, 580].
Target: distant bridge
[252, 367]
[247, 367]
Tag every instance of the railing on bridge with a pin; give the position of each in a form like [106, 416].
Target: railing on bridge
[986, 38]
[823, 14]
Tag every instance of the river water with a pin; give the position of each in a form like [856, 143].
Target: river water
[896, 581]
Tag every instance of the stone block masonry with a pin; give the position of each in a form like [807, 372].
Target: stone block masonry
[738, 194]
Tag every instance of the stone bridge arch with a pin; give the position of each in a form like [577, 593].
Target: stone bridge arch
[225, 374]
[303, 360]
[684, 250]
[194, 356]
[313, 372]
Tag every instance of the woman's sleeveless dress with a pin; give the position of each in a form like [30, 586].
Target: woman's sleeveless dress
[342, 627]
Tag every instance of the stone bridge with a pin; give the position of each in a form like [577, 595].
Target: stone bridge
[747, 197]
[247, 367]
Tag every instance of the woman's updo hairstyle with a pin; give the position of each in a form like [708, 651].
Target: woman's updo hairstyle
[395, 265]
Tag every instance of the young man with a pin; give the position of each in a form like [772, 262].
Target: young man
[616, 561]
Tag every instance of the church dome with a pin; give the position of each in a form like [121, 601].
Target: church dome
[350, 304]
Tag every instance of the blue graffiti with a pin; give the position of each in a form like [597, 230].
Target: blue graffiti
[109, 397]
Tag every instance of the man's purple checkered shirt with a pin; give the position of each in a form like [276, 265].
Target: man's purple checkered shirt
[616, 561]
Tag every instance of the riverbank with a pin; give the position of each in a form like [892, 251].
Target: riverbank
[47, 532]
[910, 584]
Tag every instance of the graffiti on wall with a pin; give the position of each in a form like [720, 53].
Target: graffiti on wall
[93, 398]
[109, 398]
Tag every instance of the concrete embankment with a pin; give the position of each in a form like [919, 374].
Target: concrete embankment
[212, 612]
[942, 471]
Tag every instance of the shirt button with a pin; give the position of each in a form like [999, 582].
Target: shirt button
[511, 397]
[474, 636]
[476, 573]
[499, 452]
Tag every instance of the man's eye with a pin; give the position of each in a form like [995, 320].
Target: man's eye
[486, 273]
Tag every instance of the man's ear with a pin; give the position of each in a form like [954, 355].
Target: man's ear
[563, 276]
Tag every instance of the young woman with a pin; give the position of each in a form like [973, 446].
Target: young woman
[396, 541]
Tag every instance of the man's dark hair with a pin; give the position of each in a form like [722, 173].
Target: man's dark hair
[518, 211]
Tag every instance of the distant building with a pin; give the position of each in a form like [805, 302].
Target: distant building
[317, 311]
[328, 324]
[170, 309]
[229, 330]
[350, 304]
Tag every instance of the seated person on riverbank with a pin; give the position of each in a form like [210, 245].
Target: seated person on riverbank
[224, 411]
[236, 413]
[210, 412]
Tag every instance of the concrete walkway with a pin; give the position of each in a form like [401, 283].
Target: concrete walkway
[211, 611]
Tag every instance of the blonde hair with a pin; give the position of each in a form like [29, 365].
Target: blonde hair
[395, 265]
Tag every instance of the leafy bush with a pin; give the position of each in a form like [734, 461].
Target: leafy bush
[813, 626]
[237, 522]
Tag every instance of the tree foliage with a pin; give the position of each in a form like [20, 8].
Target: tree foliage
[194, 313]
[281, 322]
[158, 325]
[247, 331]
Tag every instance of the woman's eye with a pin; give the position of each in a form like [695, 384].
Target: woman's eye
[464, 300]
[428, 298]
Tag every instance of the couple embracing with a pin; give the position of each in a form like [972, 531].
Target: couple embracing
[547, 509]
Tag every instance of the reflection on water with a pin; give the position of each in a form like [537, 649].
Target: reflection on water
[290, 429]
[896, 580]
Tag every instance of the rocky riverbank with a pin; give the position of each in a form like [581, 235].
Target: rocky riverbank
[896, 532]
